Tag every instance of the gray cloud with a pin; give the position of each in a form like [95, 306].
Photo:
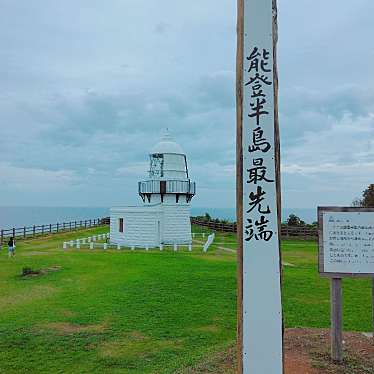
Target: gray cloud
[87, 89]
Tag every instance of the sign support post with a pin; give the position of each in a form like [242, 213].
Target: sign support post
[336, 320]
[260, 329]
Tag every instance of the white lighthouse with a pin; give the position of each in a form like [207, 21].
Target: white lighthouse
[164, 217]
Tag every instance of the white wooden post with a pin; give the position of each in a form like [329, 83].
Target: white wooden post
[161, 247]
[132, 247]
[193, 235]
[71, 243]
[78, 245]
[105, 246]
[65, 245]
[146, 248]
[175, 247]
[91, 245]
[84, 241]
[118, 246]
[190, 247]
[89, 239]
[258, 197]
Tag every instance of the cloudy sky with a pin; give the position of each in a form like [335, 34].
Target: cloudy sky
[88, 86]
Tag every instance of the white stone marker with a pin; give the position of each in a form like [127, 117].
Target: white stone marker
[208, 242]
[161, 247]
[175, 247]
[91, 245]
[190, 247]
[105, 246]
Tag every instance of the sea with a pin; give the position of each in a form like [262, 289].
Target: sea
[11, 216]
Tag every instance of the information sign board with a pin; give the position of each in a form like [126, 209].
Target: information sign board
[346, 241]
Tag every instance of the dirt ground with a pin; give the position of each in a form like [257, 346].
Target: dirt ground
[307, 351]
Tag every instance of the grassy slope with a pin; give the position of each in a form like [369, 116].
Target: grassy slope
[137, 312]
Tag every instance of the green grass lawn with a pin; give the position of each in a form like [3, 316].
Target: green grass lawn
[143, 312]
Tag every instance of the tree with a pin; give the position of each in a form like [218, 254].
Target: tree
[368, 197]
[367, 200]
[357, 202]
[208, 217]
[294, 220]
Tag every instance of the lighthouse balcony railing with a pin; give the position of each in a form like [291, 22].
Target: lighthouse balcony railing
[169, 186]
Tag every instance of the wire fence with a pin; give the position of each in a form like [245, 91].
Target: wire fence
[27, 232]
[300, 232]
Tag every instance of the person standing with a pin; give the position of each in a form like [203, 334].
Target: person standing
[11, 247]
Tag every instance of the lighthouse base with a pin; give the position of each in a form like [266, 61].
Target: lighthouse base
[150, 225]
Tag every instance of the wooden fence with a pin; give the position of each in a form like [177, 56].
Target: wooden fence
[301, 232]
[39, 230]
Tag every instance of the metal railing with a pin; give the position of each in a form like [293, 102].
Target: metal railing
[170, 186]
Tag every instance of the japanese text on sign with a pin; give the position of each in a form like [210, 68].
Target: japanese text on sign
[259, 77]
[348, 242]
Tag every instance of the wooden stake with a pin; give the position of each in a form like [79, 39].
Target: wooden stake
[336, 320]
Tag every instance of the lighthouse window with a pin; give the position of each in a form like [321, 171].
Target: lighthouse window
[120, 224]
[157, 162]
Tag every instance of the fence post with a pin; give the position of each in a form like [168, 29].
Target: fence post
[33, 230]
[2, 237]
[70, 226]
[75, 225]
[50, 227]
[90, 223]
[42, 229]
[24, 232]
[57, 228]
